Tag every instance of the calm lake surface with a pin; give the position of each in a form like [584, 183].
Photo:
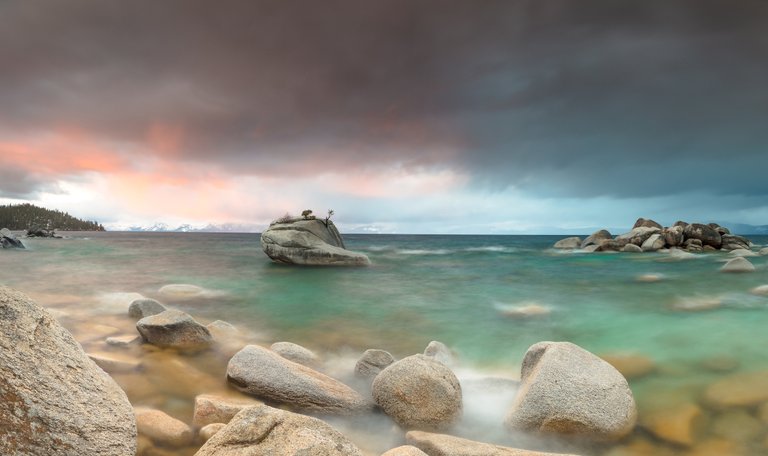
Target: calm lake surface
[471, 292]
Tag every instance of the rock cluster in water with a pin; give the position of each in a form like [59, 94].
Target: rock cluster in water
[8, 240]
[649, 236]
[308, 241]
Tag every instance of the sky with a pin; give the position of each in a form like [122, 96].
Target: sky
[403, 116]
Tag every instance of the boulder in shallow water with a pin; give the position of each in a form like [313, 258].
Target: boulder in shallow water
[405, 450]
[738, 264]
[440, 352]
[705, 233]
[419, 392]
[569, 243]
[263, 430]
[174, 329]
[632, 248]
[731, 242]
[745, 389]
[566, 390]
[673, 236]
[209, 430]
[267, 375]
[141, 308]
[596, 237]
[611, 245]
[678, 424]
[448, 445]
[372, 362]
[763, 251]
[637, 235]
[210, 408]
[308, 242]
[693, 245]
[296, 353]
[744, 253]
[762, 290]
[647, 223]
[8, 240]
[653, 243]
[630, 365]
[53, 399]
[162, 428]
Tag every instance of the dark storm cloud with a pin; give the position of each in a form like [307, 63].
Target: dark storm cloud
[574, 98]
[19, 183]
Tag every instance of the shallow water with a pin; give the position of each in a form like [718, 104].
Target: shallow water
[474, 293]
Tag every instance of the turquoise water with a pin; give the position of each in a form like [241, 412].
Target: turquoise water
[456, 289]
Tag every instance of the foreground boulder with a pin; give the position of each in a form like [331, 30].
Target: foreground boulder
[448, 445]
[267, 375]
[174, 329]
[263, 430]
[8, 240]
[53, 399]
[162, 428]
[419, 392]
[210, 408]
[567, 390]
[308, 241]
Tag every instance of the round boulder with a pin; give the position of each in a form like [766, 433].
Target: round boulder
[54, 401]
[295, 353]
[569, 243]
[705, 233]
[673, 236]
[162, 428]
[174, 329]
[566, 390]
[372, 362]
[632, 248]
[419, 392]
[738, 264]
[647, 223]
[596, 237]
[141, 308]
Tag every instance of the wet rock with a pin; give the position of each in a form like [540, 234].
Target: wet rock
[744, 253]
[115, 363]
[174, 329]
[527, 310]
[569, 243]
[419, 392]
[590, 248]
[405, 450]
[448, 445]
[296, 353]
[181, 291]
[738, 265]
[308, 242]
[762, 290]
[720, 363]
[264, 430]
[737, 425]
[566, 390]
[124, 341]
[763, 251]
[221, 329]
[611, 245]
[678, 424]
[673, 236]
[372, 362]
[653, 243]
[650, 278]
[693, 245]
[704, 233]
[647, 223]
[631, 248]
[162, 429]
[267, 375]
[210, 408]
[210, 430]
[731, 242]
[596, 237]
[638, 235]
[681, 224]
[8, 240]
[141, 308]
[53, 399]
[630, 365]
[697, 303]
[440, 352]
[745, 389]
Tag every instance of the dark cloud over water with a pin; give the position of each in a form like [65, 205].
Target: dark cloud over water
[577, 98]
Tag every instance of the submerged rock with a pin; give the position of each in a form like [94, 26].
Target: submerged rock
[308, 242]
[566, 390]
[264, 430]
[741, 252]
[53, 399]
[174, 329]
[141, 308]
[162, 428]
[630, 365]
[738, 264]
[569, 243]
[372, 362]
[448, 445]
[419, 392]
[745, 389]
[440, 352]
[267, 375]
[8, 240]
[762, 290]
[678, 424]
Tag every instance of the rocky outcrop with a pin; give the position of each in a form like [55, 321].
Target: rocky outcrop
[174, 329]
[53, 399]
[448, 445]
[566, 390]
[419, 392]
[372, 362]
[308, 242]
[8, 240]
[145, 307]
[262, 373]
[650, 236]
[263, 430]
[568, 243]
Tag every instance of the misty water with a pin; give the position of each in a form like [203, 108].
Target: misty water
[487, 297]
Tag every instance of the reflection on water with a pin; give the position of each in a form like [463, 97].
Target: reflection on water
[688, 326]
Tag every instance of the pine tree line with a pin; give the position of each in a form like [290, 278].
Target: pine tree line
[27, 216]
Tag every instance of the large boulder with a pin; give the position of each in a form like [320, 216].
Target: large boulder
[732, 242]
[174, 329]
[308, 242]
[568, 243]
[265, 374]
[53, 399]
[673, 236]
[648, 223]
[448, 445]
[263, 430]
[705, 233]
[419, 392]
[8, 240]
[566, 390]
[611, 245]
[738, 264]
[638, 235]
[653, 243]
[295, 353]
[596, 237]
[210, 408]
[145, 307]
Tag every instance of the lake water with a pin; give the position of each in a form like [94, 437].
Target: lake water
[487, 297]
